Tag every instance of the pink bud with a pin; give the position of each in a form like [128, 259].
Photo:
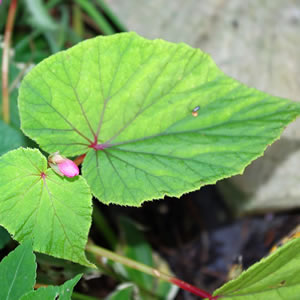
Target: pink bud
[68, 168]
[62, 166]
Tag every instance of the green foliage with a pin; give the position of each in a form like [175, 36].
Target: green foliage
[39, 15]
[135, 98]
[3, 14]
[17, 277]
[274, 277]
[54, 212]
[17, 273]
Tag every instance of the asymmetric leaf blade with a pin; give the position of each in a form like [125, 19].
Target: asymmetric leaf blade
[155, 118]
[274, 277]
[37, 204]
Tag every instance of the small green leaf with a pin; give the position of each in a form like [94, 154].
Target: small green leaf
[124, 291]
[17, 272]
[37, 204]
[274, 277]
[63, 292]
[135, 99]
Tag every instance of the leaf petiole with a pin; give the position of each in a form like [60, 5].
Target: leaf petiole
[99, 251]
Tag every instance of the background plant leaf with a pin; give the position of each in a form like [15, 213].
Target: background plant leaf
[39, 15]
[17, 272]
[11, 138]
[135, 98]
[124, 291]
[62, 292]
[54, 212]
[4, 237]
[274, 277]
[137, 248]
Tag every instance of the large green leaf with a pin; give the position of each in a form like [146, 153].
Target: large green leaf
[128, 102]
[36, 203]
[275, 277]
[62, 292]
[17, 272]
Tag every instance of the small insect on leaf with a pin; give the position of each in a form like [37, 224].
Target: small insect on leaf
[195, 111]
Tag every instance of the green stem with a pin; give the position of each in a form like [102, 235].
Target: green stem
[104, 227]
[77, 296]
[92, 11]
[5, 59]
[99, 251]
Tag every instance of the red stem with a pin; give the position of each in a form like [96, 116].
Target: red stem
[192, 289]
[5, 59]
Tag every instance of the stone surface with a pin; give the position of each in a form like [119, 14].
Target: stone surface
[256, 42]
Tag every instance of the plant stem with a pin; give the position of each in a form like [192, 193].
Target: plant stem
[5, 59]
[99, 251]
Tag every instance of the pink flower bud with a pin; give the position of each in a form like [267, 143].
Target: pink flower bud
[62, 166]
[68, 168]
